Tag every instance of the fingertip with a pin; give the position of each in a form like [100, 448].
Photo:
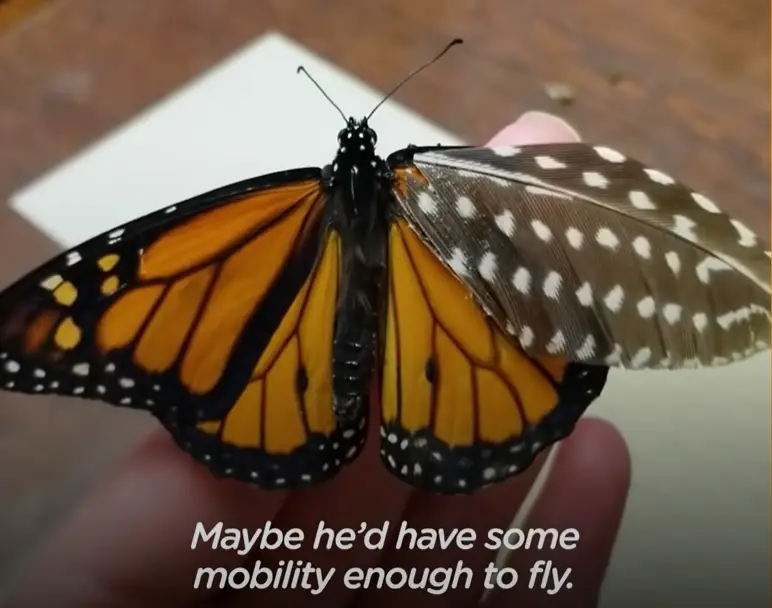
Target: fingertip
[596, 445]
[536, 127]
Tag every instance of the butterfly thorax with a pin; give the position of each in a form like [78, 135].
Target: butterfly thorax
[359, 183]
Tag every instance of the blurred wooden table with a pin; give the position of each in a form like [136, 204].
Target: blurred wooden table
[683, 85]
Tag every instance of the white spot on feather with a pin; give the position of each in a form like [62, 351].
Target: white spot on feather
[584, 294]
[458, 262]
[700, 321]
[615, 356]
[465, 207]
[684, 227]
[526, 337]
[709, 265]
[505, 150]
[704, 202]
[595, 179]
[575, 237]
[615, 298]
[642, 247]
[552, 285]
[487, 267]
[646, 307]
[427, 204]
[506, 223]
[587, 349]
[641, 200]
[522, 280]
[548, 162]
[557, 343]
[747, 237]
[542, 230]
[660, 177]
[606, 238]
[641, 358]
[672, 313]
[609, 154]
[674, 261]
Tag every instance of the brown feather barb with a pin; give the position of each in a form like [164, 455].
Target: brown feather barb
[577, 250]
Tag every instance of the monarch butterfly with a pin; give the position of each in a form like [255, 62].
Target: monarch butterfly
[487, 291]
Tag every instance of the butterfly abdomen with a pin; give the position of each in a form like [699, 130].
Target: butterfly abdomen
[360, 180]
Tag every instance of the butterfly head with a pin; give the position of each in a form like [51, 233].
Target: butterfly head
[357, 136]
[356, 158]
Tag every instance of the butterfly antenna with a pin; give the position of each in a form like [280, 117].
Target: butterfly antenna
[419, 69]
[323, 92]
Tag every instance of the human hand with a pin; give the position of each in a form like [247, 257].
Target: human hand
[129, 543]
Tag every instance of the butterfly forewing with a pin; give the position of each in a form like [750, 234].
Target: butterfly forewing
[215, 314]
[577, 250]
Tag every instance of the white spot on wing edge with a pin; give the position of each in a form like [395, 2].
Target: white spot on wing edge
[658, 176]
[747, 236]
[709, 265]
[52, 282]
[609, 154]
[641, 358]
[704, 202]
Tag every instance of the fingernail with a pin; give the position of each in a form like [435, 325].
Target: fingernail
[537, 128]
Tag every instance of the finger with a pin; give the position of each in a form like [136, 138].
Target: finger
[363, 492]
[587, 490]
[493, 507]
[130, 542]
[535, 128]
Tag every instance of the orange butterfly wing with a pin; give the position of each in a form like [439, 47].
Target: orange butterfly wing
[462, 406]
[282, 431]
[199, 313]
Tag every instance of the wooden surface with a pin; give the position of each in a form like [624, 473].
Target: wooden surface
[682, 85]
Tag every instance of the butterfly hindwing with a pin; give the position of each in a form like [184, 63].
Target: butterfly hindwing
[579, 251]
[461, 406]
[282, 431]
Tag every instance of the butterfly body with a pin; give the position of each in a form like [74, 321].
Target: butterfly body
[488, 290]
[358, 184]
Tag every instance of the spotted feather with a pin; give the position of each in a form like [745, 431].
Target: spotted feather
[577, 250]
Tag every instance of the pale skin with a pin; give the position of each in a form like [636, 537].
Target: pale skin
[128, 544]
